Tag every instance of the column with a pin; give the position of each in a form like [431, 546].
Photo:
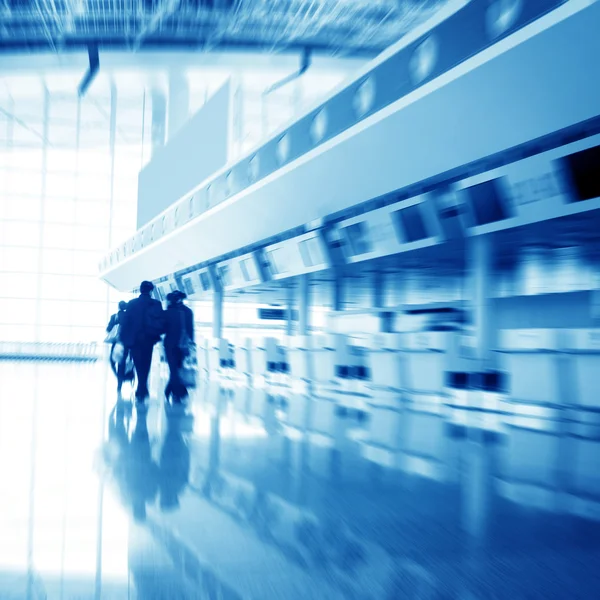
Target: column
[159, 119]
[179, 103]
[479, 250]
[217, 314]
[303, 304]
[378, 282]
[289, 326]
[338, 290]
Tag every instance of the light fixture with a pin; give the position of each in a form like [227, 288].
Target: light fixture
[502, 15]
[253, 168]
[318, 128]
[364, 97]
[423, 60]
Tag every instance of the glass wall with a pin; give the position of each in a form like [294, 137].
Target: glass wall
[68, 192]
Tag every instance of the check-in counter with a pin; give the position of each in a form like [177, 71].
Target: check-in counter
[350, 360]
[323, 359]
[244, 359]
[426, 356]
[534, 417]
[300, 360]
[203, 361]
[386, 362]
[385, 438]
[259, 358]
[583, 479]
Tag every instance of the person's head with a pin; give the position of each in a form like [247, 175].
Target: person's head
[146, 287]
[175, 297]
[122, 305]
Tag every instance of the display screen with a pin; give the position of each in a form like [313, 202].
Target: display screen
[189, 288]
[248, 269]
[205, 281]
[486, 203]
[310, 251]
[411, 222]
[584, 168]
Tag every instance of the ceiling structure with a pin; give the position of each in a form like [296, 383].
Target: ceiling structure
[334, 27]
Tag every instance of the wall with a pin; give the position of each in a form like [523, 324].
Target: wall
[196, 151]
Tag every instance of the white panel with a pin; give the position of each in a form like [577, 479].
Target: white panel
[427, 341]
[196, 152]
[582, 340]
[529, 340]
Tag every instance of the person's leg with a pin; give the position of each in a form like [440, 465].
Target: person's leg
[142, 359]
[121, 369]
[113, 364]
[173, 386]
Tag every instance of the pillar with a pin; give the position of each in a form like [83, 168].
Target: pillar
[303, 304]
[179, 103]
[480, 262]
[378, 282]
[159, 119]
[217, 314]
[338, 291]
[289, 325]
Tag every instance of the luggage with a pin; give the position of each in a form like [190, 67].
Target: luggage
[117, 356]
[188, 372]
[113, 334]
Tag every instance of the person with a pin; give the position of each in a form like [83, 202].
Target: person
[118, 354]
[141, 329]
[179, 333]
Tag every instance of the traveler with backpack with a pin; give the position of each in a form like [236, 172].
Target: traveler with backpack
[179, 345]
[141, 329]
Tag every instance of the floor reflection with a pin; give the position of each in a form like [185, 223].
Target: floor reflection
[262, 494]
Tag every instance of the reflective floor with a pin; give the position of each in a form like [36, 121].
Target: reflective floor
[233, 499]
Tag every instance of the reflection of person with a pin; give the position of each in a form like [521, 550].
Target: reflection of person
[141, 472]
[141, 329]
[174, 464]
[179, 333]
[134, 471]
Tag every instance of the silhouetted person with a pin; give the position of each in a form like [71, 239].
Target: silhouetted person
[118, 352]
[142, 327]
[179, 333]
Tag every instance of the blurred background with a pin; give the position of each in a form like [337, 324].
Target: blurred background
[385, 215]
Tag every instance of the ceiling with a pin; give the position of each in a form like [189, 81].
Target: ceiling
[338, 27]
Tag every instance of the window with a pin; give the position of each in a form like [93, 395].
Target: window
[17, 233]
[18, 285]
[17, 311]
[20, 260]
[58, 236]
[25, 208]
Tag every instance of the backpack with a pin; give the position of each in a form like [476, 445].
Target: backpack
[154, 322]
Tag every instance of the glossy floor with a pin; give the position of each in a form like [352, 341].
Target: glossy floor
[104, 501]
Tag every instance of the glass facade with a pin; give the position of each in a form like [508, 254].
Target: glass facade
[68, 188]
[68, 192]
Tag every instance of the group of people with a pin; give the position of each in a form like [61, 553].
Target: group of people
[140, 324]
